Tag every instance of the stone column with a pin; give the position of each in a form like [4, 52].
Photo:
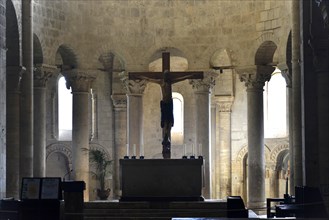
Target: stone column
[135, 89]
[214, 170]
[3, 99]
[224, 145]
[287, 76]
[120, 138]
[26, 101]
[296, 95]
[255, 78]
[202, 90]
[42, 73]
[80, 83]
[274, 178]
[14, 76]
[320, 62]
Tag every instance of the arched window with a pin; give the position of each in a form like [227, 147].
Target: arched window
[177, 134]
[275, 116]
[64, 111]
[178, 113]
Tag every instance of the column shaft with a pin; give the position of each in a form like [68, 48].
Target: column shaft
[296, 95]
[80, 82]
[14, 75]
[26, 101]
[202, 135]
[225, 153]
[202, 104]
[214, 155]
[120, 138]
[80, 138]
[39, 133]
[41, 75]
[135, 122]
[256, 156]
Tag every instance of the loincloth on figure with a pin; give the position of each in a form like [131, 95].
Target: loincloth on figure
[167, 115]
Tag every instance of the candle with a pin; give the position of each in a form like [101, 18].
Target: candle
[141, 150]
[134, 150]
[193, 150]
[127, 150]
[184, 150]
[200, 150]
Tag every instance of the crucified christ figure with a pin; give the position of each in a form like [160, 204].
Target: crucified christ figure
[165, 80]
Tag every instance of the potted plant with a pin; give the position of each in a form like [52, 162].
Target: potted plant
[99, 160]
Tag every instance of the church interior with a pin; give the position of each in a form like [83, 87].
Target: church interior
[258, 117]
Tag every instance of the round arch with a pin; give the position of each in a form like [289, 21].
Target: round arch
[12, 36]
[37, 50]
[66, 58]
[265, 53]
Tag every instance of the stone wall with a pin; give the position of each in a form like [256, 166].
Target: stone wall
[2, 98]
[135, 30]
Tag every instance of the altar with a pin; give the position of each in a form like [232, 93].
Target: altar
[161, 179]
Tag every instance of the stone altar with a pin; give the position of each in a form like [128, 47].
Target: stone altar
[161, 179]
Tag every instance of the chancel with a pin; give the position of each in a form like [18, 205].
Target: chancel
[244, 82]
[166, 79]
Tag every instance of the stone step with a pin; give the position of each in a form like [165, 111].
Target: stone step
[153, 210]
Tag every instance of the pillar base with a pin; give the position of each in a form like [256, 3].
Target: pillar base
[258, 207]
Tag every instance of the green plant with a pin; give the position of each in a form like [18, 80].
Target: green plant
[99, 160]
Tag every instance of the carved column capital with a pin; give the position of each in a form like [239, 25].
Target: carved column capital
[224, 103]
[287, 76]
[255, 76]
[79, 80]
[119, 101]
[14, 77]
[205, 84]
[133, 86]
[42, 72]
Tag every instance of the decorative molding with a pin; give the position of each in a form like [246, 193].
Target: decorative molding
[255, 76]
[205, 84]
[277, 150]
[79, 80]
[242, 153]
[60, 148]
[287, 76]
[225, 106]
[14, 77]
[133, 86]
[101, 148]
[42, 72]
[119, 101]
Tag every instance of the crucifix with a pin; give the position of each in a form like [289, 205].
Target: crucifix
[165, 79]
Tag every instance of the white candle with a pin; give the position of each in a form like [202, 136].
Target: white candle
[127, 150]
[193, 150]
[141, 150]
[184, 150]
[200, 150]
[134, 150]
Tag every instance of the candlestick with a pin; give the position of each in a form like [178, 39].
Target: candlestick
[141, 150]
[127, 153]
[193, 154]
[134, 152]
[184, 151]
[200, 150]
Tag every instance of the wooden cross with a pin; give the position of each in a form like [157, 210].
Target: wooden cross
[165, 79]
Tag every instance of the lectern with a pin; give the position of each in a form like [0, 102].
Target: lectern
[73, 199]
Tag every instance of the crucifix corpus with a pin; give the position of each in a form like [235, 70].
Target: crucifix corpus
[165, 79]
